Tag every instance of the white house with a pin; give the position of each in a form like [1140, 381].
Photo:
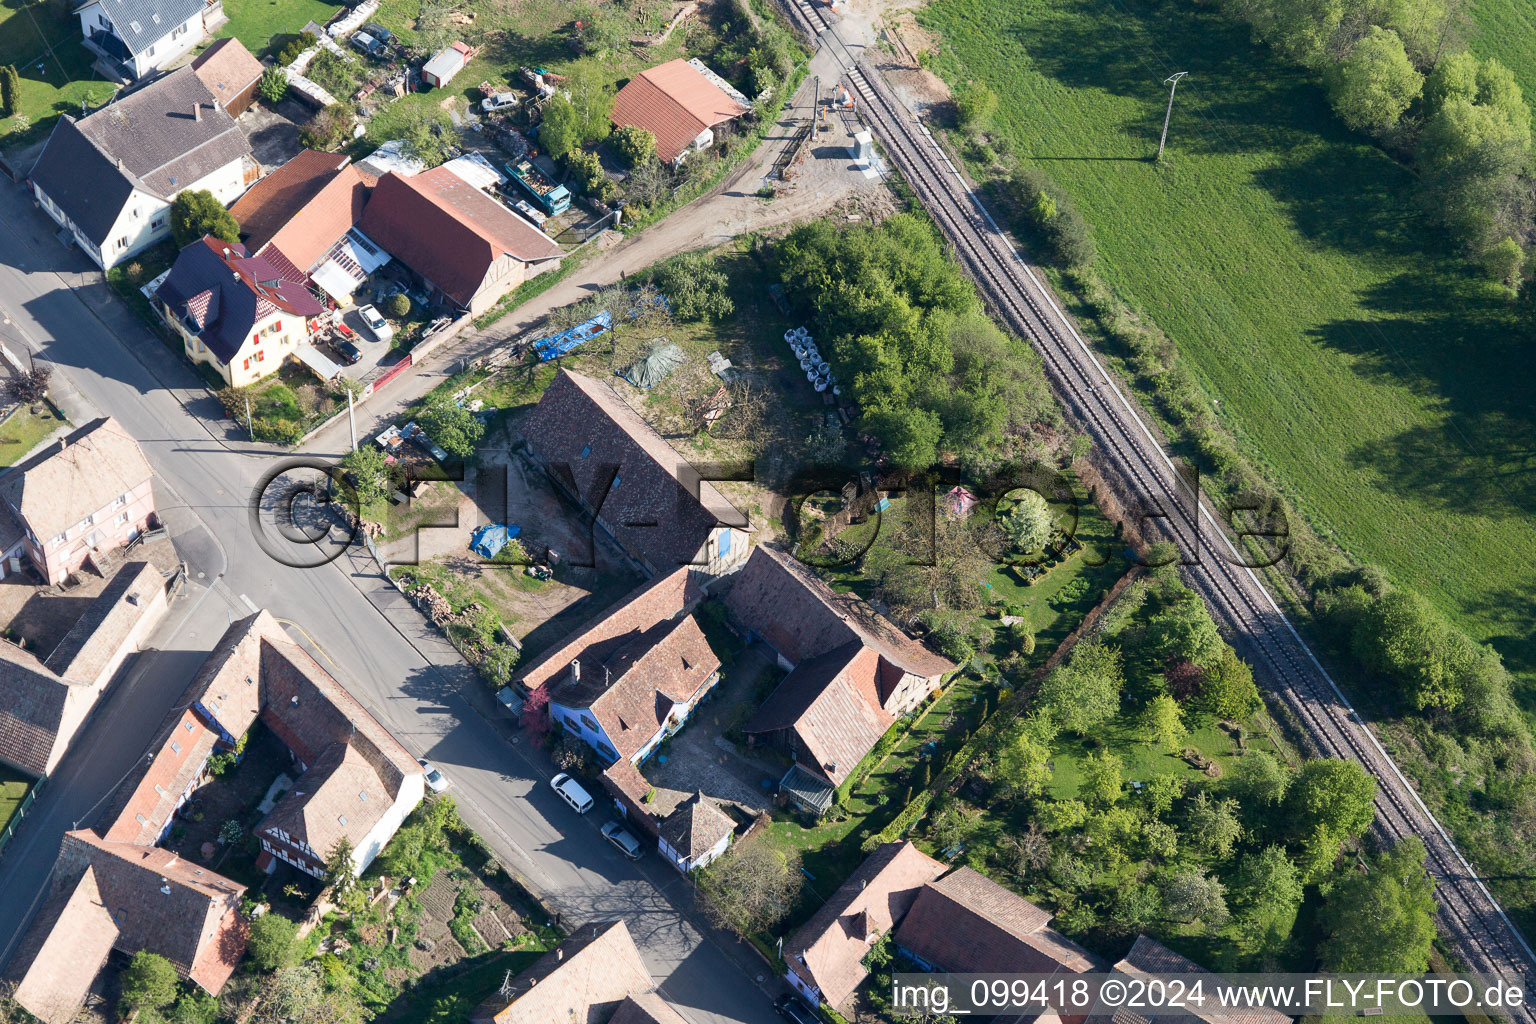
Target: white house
[134, 38]
[109, 178]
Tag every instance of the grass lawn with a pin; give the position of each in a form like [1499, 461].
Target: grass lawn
[1506, 29]
[1358, 361]
[264, 26]
[24, 431]
[43, 41]
[13, 789]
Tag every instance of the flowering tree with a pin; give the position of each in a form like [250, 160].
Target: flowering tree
[536, 715]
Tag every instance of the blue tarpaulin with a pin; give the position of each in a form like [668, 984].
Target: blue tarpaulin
[557, 345]
[488, 540]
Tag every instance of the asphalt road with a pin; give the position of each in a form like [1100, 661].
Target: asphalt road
[350, 618]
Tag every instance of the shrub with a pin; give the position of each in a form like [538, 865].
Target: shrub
[195, 214]
[635, 144]
[398, 305]
[1055, 219]
[273, 942]
[274, 85]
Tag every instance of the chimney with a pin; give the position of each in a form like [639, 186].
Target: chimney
[559, 953]
[165, 886]
[63, 444]
[575, 670]
[197, 111]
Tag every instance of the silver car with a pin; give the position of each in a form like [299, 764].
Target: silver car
[436, 780]
[622, 839]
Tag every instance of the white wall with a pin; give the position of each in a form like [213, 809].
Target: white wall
[413, 789]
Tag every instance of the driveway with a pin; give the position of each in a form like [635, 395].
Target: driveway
[353, 621]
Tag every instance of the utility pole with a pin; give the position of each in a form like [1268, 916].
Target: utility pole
[250, 424]
[351, 420]
[1172, 81]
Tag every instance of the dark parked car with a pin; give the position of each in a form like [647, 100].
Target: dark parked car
[379, 32]
[348, 352]
[791, 1008]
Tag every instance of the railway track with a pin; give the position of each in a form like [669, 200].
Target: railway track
[1468, 914]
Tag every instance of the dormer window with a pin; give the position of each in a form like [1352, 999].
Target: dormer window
[586, 450]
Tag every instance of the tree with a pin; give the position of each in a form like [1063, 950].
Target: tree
[1212, 825]
[1161, 792]
[1381, 921]
[1062, 815]
[231, 831]
[1181, 629]
[1402, 638]
[10, 91]
[1372, 87]
[428, 135]
[635, 144]
[1085, 692]
[1137, 905]
[1267, 884]
[193, 1006]
[1027, 522]
[273, 943]
[195, 214]
[647, 183]
[340, 871]
[30, 386]
[1024, 763]
[1163, 723]
[368, 473]
[452, 427]
[274, 85]
[1159, 839]
[398, 305]
[695, 287]
[1102, 777]
[560, 127]
[751, 888]
[148, 982]
[1258, 781]
[1227, 689]
[1503, 261]
[1329, 802]
[1192, 895]
[535, 718]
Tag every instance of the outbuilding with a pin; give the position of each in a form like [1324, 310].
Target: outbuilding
[446, 63]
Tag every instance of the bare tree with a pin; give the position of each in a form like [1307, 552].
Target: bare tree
[31, 386]
[750, 889]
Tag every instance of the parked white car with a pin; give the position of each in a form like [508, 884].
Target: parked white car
[500, 101]
[571, 792]
[436, 780]
[376, 324]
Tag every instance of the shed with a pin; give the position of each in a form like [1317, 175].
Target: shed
[806, 790]
[446, 63]
[231, 73]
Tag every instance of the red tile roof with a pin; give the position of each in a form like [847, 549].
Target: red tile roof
[787, 605]
[828, 951]
[967, 923]
[227, 68]
[831, 704]
[655, 601]
[274, 200]
[675, 103]
[631, 693]
[581, 981]
[58, 957]
[583, 425]
[309, 235]
[449, 231]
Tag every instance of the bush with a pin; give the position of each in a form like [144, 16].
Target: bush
[330, 128]
[398, 305]
[635, 144]
[1053, 216]
[273, 942]
[290, 52]
[195, 214]
[695, 287]
[274, 85]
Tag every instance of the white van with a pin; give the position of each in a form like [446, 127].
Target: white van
[571, 792]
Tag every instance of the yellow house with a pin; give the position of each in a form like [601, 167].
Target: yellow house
[234, 311]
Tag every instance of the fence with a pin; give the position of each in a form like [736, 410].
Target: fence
[20, 813]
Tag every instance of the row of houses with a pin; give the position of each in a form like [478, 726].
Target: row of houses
[961, 922]
[114, 888]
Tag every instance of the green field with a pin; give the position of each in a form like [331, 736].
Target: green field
[43, 41]
[1506, 29]
[1357, 361]
[24, 431]
[265, 25]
